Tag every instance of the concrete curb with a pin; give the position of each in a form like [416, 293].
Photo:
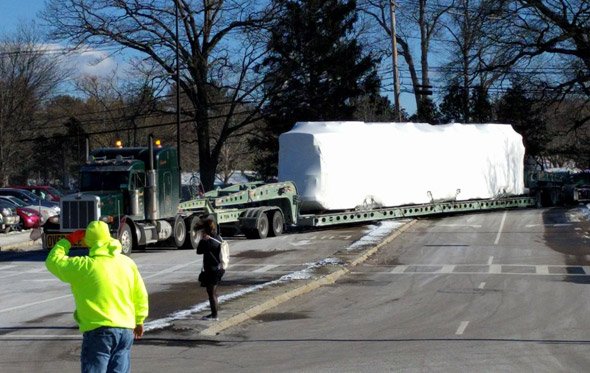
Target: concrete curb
[305, 288]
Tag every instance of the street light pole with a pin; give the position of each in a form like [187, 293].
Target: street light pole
[397, 112]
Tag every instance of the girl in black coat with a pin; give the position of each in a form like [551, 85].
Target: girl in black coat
[211, 273]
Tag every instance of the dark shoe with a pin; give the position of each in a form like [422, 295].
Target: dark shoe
[209, 318]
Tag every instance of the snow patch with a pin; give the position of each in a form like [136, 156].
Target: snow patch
[376, 234]
[579, 214]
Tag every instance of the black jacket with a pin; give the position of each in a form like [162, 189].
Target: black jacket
[211, 251]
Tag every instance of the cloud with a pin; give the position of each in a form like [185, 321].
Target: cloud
[85, 61]
[94, 63]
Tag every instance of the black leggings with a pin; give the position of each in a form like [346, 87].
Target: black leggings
[213, 302]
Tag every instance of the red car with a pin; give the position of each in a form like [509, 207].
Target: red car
[29, 218]
[45, 192]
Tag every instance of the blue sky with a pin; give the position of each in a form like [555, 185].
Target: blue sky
[14, 11]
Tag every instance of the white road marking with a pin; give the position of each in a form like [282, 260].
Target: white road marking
[6, 267]
[460, 225]
[447, 269]
[40, 336]
[265, 268]
[300, 243]
[549, 225]
[490, 260]
[462, 327]
[501, 227]
[172, 269]
[34, 303]
[519, 269]
[482, 285]
[495, 268]
[16, 273]
[399, 269]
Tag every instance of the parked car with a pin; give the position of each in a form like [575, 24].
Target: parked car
[10, 219]
[46, 192]
[30, 217]
[46, 208]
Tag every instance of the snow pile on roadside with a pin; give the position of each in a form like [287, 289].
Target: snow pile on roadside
[579, 214]
[374, 234]
[378, 233]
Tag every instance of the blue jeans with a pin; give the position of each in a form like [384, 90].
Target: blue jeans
[106, 350]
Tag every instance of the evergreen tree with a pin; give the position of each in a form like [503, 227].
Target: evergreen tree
[315, 71]
[479, 106]
[452, 106]
[517, 109]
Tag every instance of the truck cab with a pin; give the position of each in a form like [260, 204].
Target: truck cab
[135, 190]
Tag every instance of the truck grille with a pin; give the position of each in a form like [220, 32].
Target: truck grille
[78, 211]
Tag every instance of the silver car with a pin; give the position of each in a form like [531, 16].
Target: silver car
[9, 219]
[45, 211]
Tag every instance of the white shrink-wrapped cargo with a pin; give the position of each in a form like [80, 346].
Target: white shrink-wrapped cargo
[344, 165]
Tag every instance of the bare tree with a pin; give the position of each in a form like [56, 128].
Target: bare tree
[548, 39]
[29, 75]
[128, 108]
[422, 22]
[218, 47]
[466, 24]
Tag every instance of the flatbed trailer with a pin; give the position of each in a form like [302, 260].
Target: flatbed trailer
[260, 210]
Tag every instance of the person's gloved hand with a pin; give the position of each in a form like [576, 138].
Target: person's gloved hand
[76, 236]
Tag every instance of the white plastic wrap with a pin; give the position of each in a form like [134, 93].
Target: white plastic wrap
[342, 165]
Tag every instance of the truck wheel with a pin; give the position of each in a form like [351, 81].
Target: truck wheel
[262, 226]
[192, 238]
[277, 224]
[126, 239]
[179, 232]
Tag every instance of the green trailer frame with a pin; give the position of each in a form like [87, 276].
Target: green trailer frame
[247, 204]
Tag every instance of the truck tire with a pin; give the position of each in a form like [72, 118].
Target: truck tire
[262, 227]
[276, 228]
[192, 238]
[179, 232]
[126, 239]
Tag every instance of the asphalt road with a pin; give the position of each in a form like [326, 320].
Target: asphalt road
[500, 291]
[39, 334]
[491, 292]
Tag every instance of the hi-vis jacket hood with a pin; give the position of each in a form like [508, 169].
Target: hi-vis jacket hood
[99, 240]
[107, 287]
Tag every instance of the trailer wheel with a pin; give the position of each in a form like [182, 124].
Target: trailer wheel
[179, 232]
[126, 239]
[277, 224]
[262, 227]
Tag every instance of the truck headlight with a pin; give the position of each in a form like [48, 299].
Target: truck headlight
[107, 219]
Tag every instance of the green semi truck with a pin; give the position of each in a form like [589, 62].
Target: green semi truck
[137, 192]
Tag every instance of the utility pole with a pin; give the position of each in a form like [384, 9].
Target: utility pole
[397, 113]
[177, 92]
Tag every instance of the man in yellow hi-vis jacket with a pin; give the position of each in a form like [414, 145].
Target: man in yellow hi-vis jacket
[110, 296]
